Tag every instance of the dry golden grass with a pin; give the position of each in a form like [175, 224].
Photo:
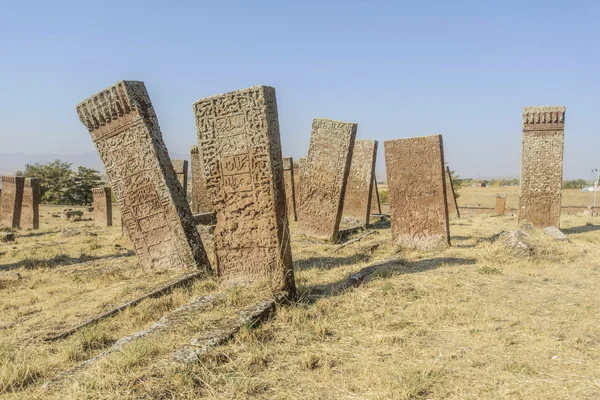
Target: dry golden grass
[470, 321]
[486, 197]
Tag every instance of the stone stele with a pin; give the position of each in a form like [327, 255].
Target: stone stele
[417, 191]
[181, 169]
[201, 202]
[375, 202]
[324, 178]
[542, 165]
[11, 201]
[359, 189]
[299, 165]
[238, 135]
[500, 204]
[102, 206]
[290, 192]
[30, 206]
[158, 220]
[453, 211]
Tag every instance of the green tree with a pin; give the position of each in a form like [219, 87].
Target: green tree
[85, 180]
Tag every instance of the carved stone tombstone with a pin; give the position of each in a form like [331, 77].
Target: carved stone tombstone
[290, 192]
[453, 211]
[359, 189]
[157, 217]
[11, 201]
[324, 178]
[102, 206]
[417, 191]
[181, 169]
[238, 134]
[299, 165]
[542, 165]
[375, 203]
[201, 202]
[30, 206]
[500, 203]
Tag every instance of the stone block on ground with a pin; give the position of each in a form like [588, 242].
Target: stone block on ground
[555, 233]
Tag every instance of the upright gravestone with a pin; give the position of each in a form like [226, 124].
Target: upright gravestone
[11, 201]
[181, 169]
[102, 206]
[157, 217]
[453, 211]
[30, 206]
[417, 191]
[500, 203]
[375, 203]
[542, 165]
[324, 178]
[359, 190]
[290, 190]
[238, 134]
[201, 202]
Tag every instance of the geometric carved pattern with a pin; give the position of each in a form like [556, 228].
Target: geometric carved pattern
[238, 135]
[158, 220]
[359, 190]
[102, 206]
[453, 211]
[30, 206]
[324, 178]
[542, 165]
[10, 201]
[290, 190]
[201, 202]
[417, 191]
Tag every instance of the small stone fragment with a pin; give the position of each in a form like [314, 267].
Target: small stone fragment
[7, 237]
[555, 233]
[70, 232]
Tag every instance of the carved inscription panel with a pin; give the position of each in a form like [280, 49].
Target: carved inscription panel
[358, 193]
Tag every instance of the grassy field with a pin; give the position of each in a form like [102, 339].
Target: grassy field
[486, 197]
[470, 321]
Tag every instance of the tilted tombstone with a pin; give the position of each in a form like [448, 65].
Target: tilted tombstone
[181, 169]
[290, 192]
[375, 202]
[453, 211]
[156, 215]
[102, 206]
[11, 201]
[542, 165]
[238, 135]
[30, 206]
[359, 189]
[500, 203]
[324, 178]
[417, 191]
[201, 202]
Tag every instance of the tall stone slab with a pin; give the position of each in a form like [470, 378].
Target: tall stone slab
[11, 201]
[290, 190]
[453, 211]
[417, 191]
[359, 189]
[102, 206]
[157, 217]
[542, 165]
[375, 202]
[201, 202]
[181, 170]
[324, 178]
[500, 204]
[238, 135]
[30, 206]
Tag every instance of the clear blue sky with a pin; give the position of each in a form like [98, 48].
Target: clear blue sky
[399, 69]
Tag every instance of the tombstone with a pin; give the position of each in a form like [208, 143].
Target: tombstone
[102, 206]
[299, 165]
[11, 201]
[417, 192]
[290, 192]
[453, 211]
[157, 217]
[238, 135]
[181, 169]
[359, 189]
[201, 202]
[542, 165]
[30, 206]
[375, 203]
[500, 203]
[324, 178]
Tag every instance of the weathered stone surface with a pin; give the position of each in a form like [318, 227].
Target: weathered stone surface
[181, 170]
[290, 190]
[453, 211]
[324, 178]
[299, 165]
[30, 206]
[375, 203]
[238, 134]
[359, 189]
[102, 206]
[201, 202]
[542, 165]
[500, 203]
[157, 217]
[555, 233]
[11, 201]
[417, 191]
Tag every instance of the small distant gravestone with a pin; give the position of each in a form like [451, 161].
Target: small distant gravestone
[500, 204]
[30, 206]
[299, 165]
[11, 201]
[290, 190]
[181, 169]
[375, 202]
[102, 206]
[359, 189]
[201, 202]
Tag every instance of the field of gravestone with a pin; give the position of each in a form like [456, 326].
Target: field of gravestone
[480, 319]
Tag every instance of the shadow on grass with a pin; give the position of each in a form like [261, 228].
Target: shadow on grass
[581, 229]
[59, 260]
[327, 263]
[28, 234]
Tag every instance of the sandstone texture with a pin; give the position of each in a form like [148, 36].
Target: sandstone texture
[181, 170]
[359, 189]
[11, 201]
[299, 165]
[102, 206]
[290, 190]
[201, 202]
[30, 206]
[500, 204]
